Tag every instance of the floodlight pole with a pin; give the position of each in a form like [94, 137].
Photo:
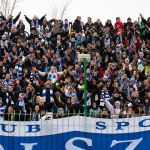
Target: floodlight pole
[85, 95]
[84, 58]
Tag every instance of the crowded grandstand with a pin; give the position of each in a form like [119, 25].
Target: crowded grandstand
[40, 72]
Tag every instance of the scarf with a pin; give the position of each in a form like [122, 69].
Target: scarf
[52, 76]
[18, 68]
[22, 105]
[9, 99]
[51, 98]
[33, 76]
[35, 23]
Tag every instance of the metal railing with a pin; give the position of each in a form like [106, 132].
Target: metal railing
[33, 116]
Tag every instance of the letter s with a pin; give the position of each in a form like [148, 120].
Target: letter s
[100, 125]
[69, 144]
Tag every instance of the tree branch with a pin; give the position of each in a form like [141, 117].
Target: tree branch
[13, 7]
[60, 8]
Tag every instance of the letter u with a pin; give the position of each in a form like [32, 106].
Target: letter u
[8, 128]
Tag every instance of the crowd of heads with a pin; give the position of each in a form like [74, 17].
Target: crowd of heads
[40, 71]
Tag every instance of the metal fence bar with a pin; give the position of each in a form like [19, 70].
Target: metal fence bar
[23, 117]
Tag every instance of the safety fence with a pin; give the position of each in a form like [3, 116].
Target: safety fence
[76, 132]
[37, 116]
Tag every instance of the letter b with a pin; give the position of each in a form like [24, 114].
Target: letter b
[33, 128]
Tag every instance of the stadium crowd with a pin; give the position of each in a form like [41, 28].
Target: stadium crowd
[39, 71]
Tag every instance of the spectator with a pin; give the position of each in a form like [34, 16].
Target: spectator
[119, 27]
[146, 106]
[9, 96]
[130, 113]
[47, 95]
[7, 81]
[35, 22]
[115, 110]
[77, 25]
[20, 26]
[20, 103]
[75, 106]
[95, 110]
[11, 21]
[60, 113]
[98, 24]
[88, 24]
[36, 113]
[9, 114]
[105, 113]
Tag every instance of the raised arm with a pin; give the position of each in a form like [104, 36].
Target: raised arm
[135, 60]
[2, 16]
[118, 58]
[108, 105]
[27, 19]
[41, 20]
[41, 73]
[143, 19]
[9, 19]
[16, 18]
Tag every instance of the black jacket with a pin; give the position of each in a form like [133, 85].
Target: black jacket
[77, 26]
[76, 108]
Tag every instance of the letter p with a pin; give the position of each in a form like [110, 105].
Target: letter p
[121, 124]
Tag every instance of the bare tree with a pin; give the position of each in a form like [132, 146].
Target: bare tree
[53, 9]
[7, 7]
[59, 8]
[65, 8]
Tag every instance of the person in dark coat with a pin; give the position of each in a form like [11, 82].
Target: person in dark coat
[128, 23]
[77, 25]
[75, 106]
[88, 24]
[109, 24]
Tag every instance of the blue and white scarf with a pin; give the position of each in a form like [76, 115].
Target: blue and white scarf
[33, 76]
[5, 83]
[51, 98]
[18, 68]
[52, 76]
[8, 99]
[22, 105]
[35, 23]
[105, 96]
[2, 109]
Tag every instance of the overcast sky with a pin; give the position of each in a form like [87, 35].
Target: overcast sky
[103, 9]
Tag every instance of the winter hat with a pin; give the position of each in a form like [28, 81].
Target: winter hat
[60, 109]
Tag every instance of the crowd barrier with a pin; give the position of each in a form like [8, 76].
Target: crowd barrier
[76, 133]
